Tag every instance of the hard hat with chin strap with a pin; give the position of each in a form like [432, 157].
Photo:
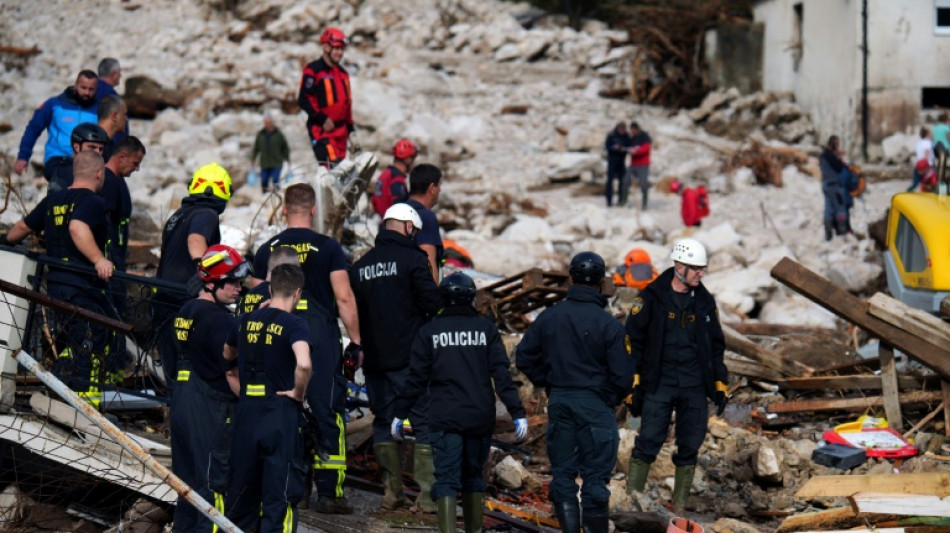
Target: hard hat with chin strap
[405, 213]
[211, 180]
[690, 252]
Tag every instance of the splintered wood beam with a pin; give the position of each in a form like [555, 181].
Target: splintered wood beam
[899, 504]
[837, 517]
[842, 486]
[855, 382]
[751, 369]
[857, 366]
[742, 345]
[920, 323]
[776, 330]
[889, 390]
[851, 404]
[854, 309]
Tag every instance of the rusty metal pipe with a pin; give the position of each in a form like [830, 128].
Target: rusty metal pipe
[127, 444]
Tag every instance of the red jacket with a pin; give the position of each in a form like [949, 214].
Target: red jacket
[695, 206]
[325, 93]
[391, 188]
[640, 157]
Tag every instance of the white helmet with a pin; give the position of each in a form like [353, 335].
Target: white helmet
[405, 213]
[689, 252]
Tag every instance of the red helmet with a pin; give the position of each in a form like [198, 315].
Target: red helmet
[404, 149]
[675, 186]
[333, 37]
[222, 262]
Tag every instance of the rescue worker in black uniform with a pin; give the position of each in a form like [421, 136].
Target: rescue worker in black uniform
[678, 349]
[259, 295]
[395, 295]
[185, 238]
[74, 225]
[85, 136]
[268, 470]
[577, 352]
[455, 357]
[326, 296]
[204, 401]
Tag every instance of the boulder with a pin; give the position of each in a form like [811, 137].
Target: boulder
[786, 307]
[511, 474]
[527, 228]
[852, 274]
[718, 239]
[898, 148]
[766, 465]
[573, 166]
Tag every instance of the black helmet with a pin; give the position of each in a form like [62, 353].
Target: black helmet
[87, 132]
[587, 268]
[457, 289]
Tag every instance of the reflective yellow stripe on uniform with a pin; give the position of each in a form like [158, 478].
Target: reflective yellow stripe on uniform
[255, 390]
[183, 375]
[219, 506]
[289, 520]
[302, 305]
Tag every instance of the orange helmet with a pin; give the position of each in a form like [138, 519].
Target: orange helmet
[334, 37]
[637, 255]
[404, 149]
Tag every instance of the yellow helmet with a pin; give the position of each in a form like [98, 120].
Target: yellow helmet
[211, 179]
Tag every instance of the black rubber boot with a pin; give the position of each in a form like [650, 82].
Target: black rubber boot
[596, 520]
[569, 516]
[473, 510]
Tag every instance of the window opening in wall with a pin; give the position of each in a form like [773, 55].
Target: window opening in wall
[942, 17]
[931, 97]
[798, 42]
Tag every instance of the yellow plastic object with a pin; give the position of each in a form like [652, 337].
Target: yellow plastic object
[864, 422]
[929, 215]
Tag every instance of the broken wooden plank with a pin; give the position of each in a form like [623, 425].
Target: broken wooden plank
[899, 504]
[751, 369]
[857, 382]
[924, 420]
[777, 330]
[853, 309]
[858, 366]
[945, 391]
[851, 404]
[920, 323]
[837, 517]
[889, 389]
[20, 50]
[841, 486]
[742, 345]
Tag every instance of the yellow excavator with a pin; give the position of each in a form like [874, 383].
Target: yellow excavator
[917, 259]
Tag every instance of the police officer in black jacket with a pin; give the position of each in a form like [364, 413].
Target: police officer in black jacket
[395, 295]
[578, 353]
[678, 348]
[455, 356]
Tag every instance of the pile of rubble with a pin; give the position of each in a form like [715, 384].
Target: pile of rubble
[727, 113]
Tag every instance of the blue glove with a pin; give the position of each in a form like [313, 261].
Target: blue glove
[521, 429]
[395, 429]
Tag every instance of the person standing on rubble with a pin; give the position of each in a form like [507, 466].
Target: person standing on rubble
[391, 185]
[205, 391]
[268, 472]
[640, 148]
[578, 353]
[616, 145]
[73, 223]
[326, 297]
[271, 145]
[185, 238]
[678, 348]
[832, 166]
[325, 96]
[395, 295]
[425, 185]
[456, 356]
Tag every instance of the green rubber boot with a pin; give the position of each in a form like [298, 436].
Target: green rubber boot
[448, 522]
[637, 475]
[682, 483]
[473, 510]
[387, 457]
[424, 472]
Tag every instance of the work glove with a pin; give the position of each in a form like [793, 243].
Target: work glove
[352, 360]
[721, 398]
[521, 429]
[395, 429]
[634, 400]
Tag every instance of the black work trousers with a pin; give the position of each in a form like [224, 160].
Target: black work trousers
[692, 417]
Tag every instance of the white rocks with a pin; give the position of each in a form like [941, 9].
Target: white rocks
[625, 449]
[766, 463]
[852, 274]
[898, 148]
[573, 165]
[230, 124]
[511, 474]
[718, 239]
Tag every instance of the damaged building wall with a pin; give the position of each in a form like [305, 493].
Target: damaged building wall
[814, 49]
[734, 55]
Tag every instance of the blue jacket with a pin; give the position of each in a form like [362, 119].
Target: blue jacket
[617, 156]
[58, 115]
